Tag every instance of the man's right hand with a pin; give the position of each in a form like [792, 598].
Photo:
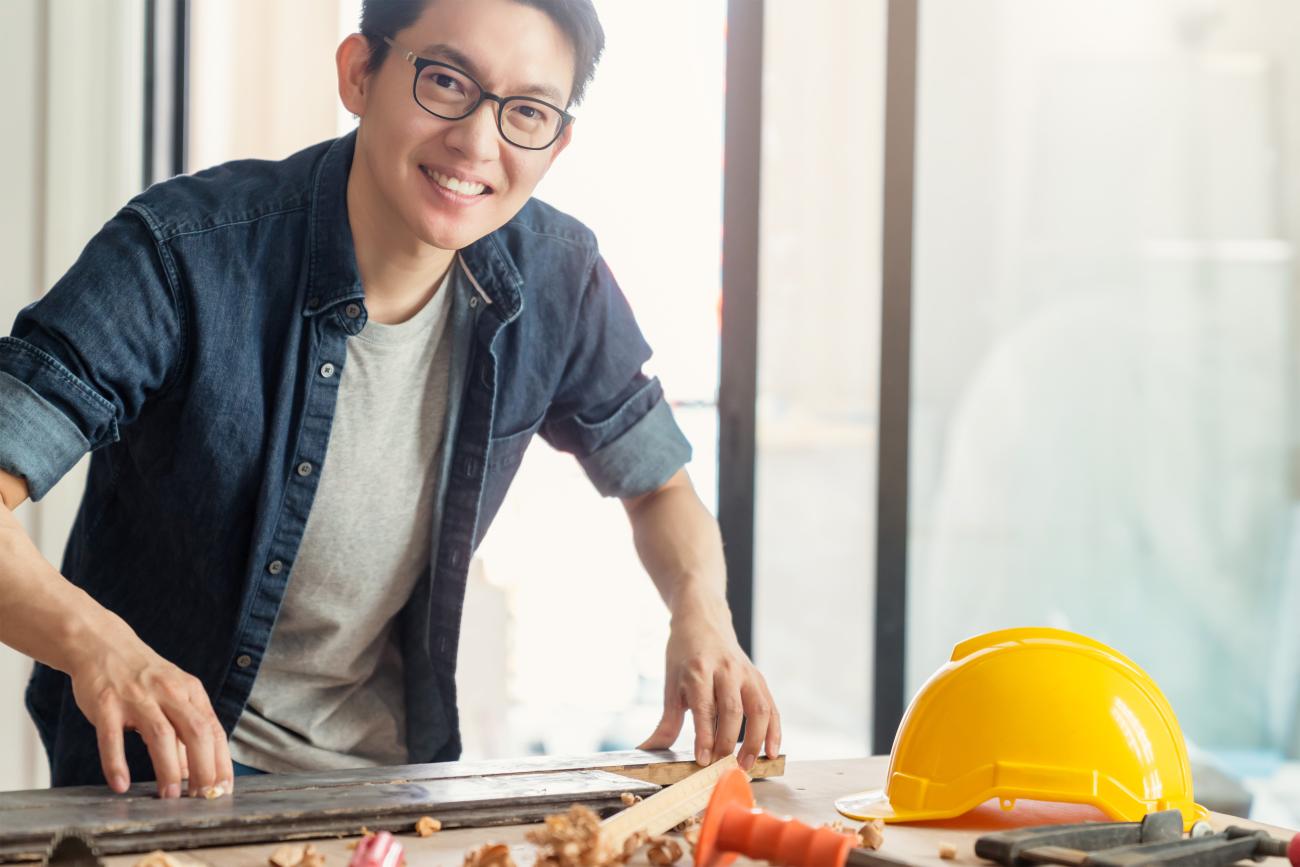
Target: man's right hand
[124, 686]
[118, 681]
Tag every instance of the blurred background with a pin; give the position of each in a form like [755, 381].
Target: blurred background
[1103, 357]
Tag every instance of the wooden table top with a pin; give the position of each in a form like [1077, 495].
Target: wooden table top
[807, 791]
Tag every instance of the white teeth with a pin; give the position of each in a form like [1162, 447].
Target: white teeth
[458, 186]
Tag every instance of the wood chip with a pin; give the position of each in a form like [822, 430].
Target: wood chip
[427, 826]
[213, 792]
[872, 834]
[629, 799]
[947, 851]
[490, 855]
[296, 855]
[663, 851]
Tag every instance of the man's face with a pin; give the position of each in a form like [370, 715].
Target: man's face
[511, 49]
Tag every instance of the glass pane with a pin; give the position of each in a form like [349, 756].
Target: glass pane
[819, 327]
[1104, 421]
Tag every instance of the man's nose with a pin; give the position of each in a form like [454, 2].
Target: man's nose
[475, 136]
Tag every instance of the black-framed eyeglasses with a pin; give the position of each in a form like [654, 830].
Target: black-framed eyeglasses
[451, 93]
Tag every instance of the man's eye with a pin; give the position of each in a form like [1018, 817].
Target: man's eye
[530, 113]
[446, 81]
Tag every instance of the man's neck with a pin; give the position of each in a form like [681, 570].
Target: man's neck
[399, 273]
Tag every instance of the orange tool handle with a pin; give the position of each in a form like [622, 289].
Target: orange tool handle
[734, 826]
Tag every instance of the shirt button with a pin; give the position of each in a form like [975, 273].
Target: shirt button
[313, 302]
[473, 302]
[244, 661]
[304, 469]
[352, 310]
[275, 567]
[327, 370]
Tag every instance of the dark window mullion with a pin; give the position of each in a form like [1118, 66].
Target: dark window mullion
[737, 390]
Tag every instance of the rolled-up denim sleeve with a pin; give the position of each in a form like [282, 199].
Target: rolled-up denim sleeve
[607, 412]
[83, 360]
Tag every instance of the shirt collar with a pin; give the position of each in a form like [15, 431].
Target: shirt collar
[332, 275]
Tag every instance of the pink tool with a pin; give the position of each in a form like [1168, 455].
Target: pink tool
[377, 850]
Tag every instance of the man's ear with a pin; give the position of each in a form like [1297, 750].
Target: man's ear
[354, 81]
[562, 142]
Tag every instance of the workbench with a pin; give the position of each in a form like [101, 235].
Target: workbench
[807, 791]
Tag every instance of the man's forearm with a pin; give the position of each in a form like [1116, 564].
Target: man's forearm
[42, 614]
[680, 546]
[706, 670]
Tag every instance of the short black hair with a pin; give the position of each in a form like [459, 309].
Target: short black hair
[576, 18]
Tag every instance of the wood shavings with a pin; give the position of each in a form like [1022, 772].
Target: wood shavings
[688, 823]
[663, 851]
[490, 855]
[872, 834]
[209, 793]
[692, 836]
[427, 826]
[574, 839]
[947, 851]
[629, 799]
[296, 855]
[158, 858]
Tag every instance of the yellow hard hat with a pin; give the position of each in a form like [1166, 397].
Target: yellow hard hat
[1039, 714]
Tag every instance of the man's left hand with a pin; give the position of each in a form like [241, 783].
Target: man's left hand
[710, 675]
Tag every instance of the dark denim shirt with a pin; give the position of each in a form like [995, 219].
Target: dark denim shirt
[186, 349]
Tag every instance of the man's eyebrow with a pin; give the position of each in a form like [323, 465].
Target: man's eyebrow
[458, 58]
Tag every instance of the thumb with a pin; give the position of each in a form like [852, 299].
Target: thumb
[670, 726]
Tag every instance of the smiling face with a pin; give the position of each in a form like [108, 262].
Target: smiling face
[446, 183]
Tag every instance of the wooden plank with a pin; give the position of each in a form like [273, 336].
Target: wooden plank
[140, 824]
[669, 773]
[667, 808]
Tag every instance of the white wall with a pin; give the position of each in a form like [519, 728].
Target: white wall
[71, 159]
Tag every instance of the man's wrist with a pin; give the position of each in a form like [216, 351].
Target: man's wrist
[696, 598]
[83, 629]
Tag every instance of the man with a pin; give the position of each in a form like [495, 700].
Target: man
[397, 297]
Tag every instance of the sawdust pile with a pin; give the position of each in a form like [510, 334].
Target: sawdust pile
[573, 839]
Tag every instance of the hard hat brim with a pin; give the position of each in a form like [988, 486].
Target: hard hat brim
[868, 805]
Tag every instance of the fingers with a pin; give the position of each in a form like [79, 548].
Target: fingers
[196, 738]
[699, 698]
[160, 739]
[731, 712]
[670, 724]
[223, 769]
[225, 766]
[112, 751]
[773, 747]
[758, 719]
